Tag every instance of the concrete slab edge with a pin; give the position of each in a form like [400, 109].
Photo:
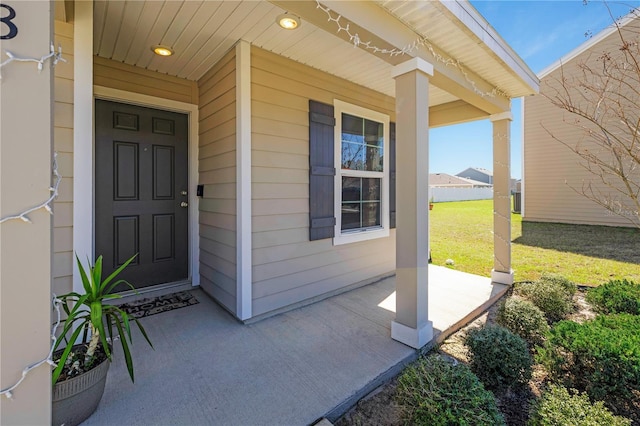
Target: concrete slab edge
[471, 316]
[374, 384]
[338, 411]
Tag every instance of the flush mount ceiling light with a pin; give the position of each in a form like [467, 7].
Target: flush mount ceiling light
[162, 50]
[288, 22]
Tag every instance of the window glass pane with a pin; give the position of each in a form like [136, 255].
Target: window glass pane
[370, 214]
[370, 189]
[351, 189]
[352, 156]
[351, 215]
[373, 133]
[352, 125]
[374, 159]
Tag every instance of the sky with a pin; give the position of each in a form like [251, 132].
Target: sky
[540, 32]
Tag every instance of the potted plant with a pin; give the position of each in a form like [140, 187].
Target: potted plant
[431, 203]
[82, 365]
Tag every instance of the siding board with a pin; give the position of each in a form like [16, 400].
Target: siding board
[126, 77]
[552, 172]
[287, 267]
[217, 172]
[63, 262]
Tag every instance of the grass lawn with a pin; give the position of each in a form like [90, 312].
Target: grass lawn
[590, 255]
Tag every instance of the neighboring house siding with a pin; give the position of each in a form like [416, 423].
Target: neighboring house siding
[287, 267]
[63, 262]
[551, 170]
[217, 171]
[117, 75]
[478, 175]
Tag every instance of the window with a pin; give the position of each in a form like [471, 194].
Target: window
[362, 175]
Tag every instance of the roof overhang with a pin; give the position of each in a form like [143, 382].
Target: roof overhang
[476, 72]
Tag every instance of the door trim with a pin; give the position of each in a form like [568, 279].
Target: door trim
[116, 95]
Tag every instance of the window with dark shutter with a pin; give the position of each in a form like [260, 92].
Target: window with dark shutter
[321, 171]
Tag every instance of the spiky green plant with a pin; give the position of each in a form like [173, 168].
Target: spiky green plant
[89, 314]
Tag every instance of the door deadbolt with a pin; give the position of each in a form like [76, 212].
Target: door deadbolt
[183, 193]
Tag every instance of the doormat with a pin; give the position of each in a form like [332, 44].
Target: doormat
[147, 307]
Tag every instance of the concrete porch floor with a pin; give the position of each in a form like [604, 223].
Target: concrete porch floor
[290, 369]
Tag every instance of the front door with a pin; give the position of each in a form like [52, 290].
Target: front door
[141, 192]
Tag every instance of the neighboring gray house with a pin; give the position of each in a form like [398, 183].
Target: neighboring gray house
[477, 173]
[446, 180]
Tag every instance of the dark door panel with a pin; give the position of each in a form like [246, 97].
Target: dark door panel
[141, 178]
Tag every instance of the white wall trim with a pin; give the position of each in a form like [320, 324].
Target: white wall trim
[362, 235]
[244, 280]
[83, 156]
[507, 115]
[522, 158]
[414, 64]
[415, 338]
[191, 110]
[502, 277]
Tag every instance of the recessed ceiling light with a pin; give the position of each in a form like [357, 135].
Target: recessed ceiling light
[288, 22]
[162, 50]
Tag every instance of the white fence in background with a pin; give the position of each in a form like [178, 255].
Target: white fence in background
[443, 193]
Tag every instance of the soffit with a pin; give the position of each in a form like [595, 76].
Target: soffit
[201, 32]
[465, 37]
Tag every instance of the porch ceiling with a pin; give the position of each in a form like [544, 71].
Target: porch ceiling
[201, 32]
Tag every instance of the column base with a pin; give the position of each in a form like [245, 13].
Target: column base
[502, 277]
[416, 338]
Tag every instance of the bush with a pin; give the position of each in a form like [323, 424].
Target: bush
[616, 297]
[435, 392]
[557, 407]
[523, 318]
[600, 357]
[552, 294]
[498, 357]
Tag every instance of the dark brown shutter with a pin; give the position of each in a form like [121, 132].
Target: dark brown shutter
[321, 171]
[392, 175]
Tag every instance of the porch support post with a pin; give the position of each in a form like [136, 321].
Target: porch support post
[502, 272]
[412, 326]
[26, 158]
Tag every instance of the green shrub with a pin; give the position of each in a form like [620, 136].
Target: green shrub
[616, 297]
[600, 357]
[557, 407]
[435, 392]
[523, 318]
[552, 294]
[498, 357]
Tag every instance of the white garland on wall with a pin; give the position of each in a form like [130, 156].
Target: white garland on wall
[45, 204]
[8, 392]
[420, 41]
[56, 56]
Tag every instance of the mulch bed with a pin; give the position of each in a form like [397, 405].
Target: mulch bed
[379, 408]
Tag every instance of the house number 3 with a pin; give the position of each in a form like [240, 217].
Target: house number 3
[7, 20]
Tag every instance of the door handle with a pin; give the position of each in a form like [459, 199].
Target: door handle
[184, 204]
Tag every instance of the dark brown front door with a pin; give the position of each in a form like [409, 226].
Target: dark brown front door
[141, 192]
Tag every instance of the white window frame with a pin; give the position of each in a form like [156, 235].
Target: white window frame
[352, 236]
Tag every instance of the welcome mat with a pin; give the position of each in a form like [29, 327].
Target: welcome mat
[146, 307]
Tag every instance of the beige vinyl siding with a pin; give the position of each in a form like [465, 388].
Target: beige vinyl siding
[116, 75]
[217, 172]
[287, 267]
[63, 262]
[552, 172]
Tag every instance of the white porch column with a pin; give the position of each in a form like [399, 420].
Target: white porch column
[25, 179]
[502, 272]
[412, 326]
